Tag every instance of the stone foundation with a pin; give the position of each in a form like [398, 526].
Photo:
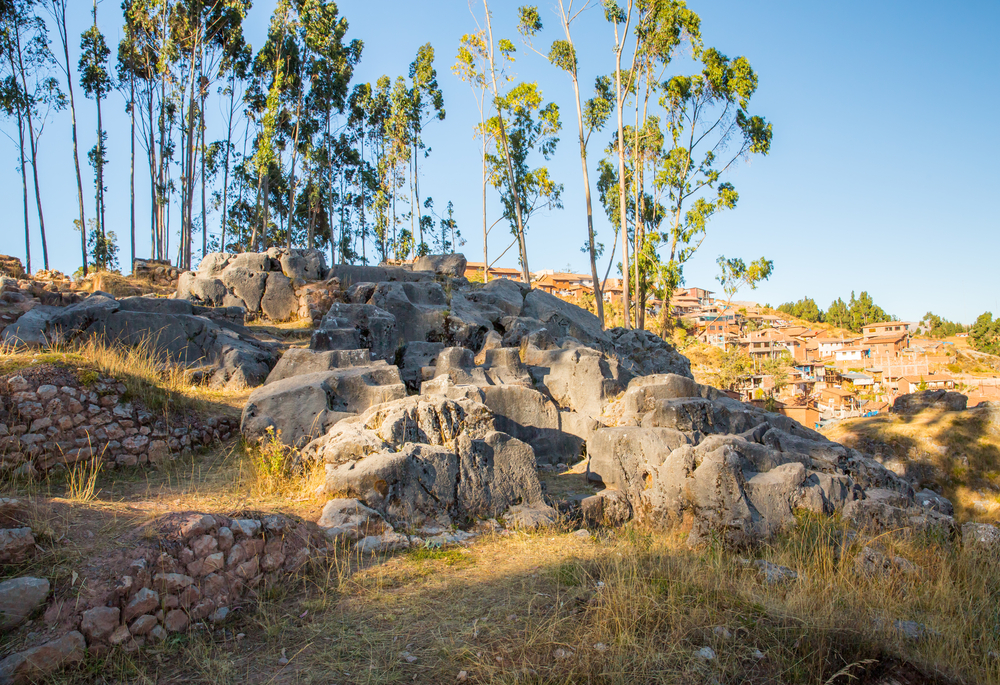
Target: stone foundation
[51, 415]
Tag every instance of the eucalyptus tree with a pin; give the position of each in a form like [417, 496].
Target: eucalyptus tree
[530, 128]
[590, 118]
[238, 69]
[146, 55]
[399, 139]
[95, 79]
[206, 35]
[709, 130]
[265, 96]
[57, 8]
[471, 65]
[427, 104]
[30, 91]
[330, 63]
[499, 57]
[621, 18]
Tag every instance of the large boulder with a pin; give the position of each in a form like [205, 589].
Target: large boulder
[279, 302]
[298, 361]
[262, 283]
[578, 378]
[225, 353]
[563, 319]
[445, 264]
[942, 400]
[420, 310]
[302, 407]
[424, 485]
[349, 326]
[529, 415]
[684, 452]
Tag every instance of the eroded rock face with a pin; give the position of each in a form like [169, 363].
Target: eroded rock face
[264, 284]
[943, 400]
[230, 355]
[682, 451]
[301, 407]
[424, 461]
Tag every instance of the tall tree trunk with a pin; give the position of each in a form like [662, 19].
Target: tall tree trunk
[225, 173]
[59, 13]
[204, 214]
[525, 273]
[591, 247]
[291, 180]
[131, 184]
[486, 256]
[361, 178]
[24, 187]
[34, 152]
[622, 217]
[100, 176]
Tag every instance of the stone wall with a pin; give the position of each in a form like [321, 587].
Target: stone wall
[52, 414]
[18, 296]
[179, 572]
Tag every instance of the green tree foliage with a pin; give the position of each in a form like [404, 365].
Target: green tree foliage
[735, 368]
[936, 327]
[984, 335]
[805, 309]
[854, 315]
[28, 93]
[95, 79]
[531, 129]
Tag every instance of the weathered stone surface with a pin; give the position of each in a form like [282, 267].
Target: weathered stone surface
[232, 355]
[98, 623]
[563, 319]
[684, 450]
[450, 465]
[37, 662]
[576, 377]
[981, 536]
[19, 598]
[417, 356]
[349, 519]
[349, 326]
[930, 399]
[303, 407]
[419, 310]
[445, 264]
[298, 361]
[529, 415]
[532, 516]
[279, 302]
[143, 602]
[606, 508]
[16, 544]
[882, 509]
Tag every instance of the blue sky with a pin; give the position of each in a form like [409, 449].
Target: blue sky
[882, 175]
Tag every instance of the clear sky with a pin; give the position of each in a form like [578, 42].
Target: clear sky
[882, 175]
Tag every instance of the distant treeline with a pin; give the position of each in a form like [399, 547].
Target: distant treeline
[862, 310]
[853, 315]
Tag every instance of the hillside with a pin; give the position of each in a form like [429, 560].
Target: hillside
[563, 592]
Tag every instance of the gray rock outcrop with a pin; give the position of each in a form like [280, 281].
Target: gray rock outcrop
[943, 400]
[683, 451]
[299, 408]
[264, 284]
[228, 354]
[428, 461]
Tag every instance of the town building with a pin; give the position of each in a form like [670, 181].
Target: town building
[934, 381]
